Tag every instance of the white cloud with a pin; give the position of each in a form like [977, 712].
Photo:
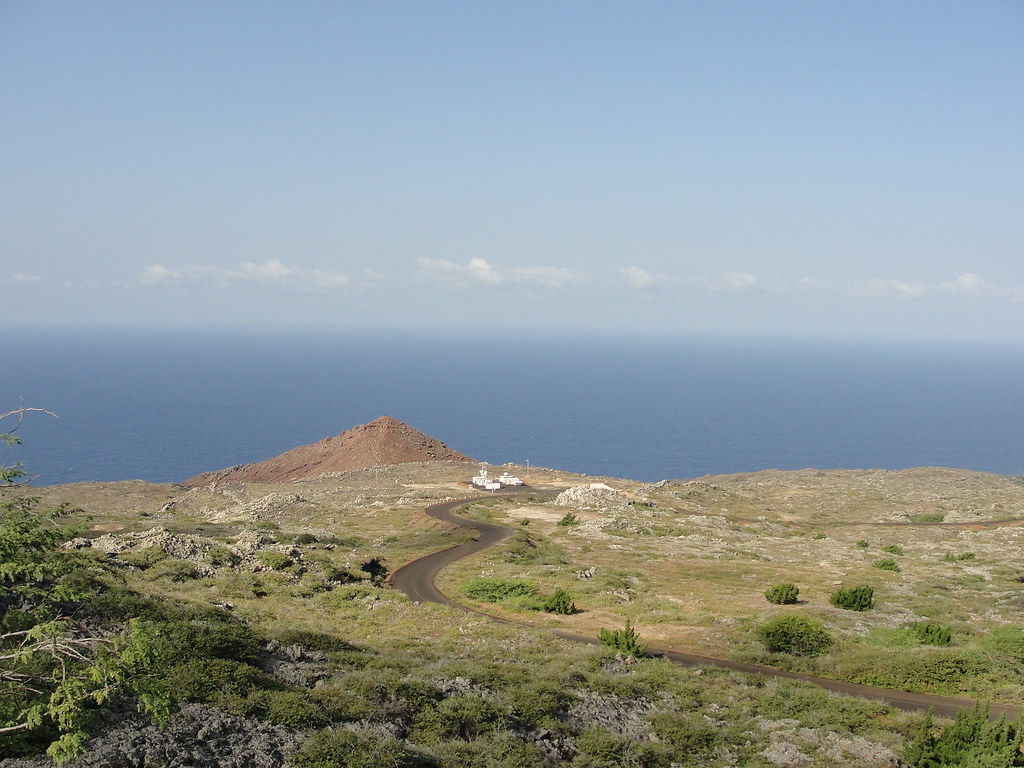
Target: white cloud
[636, 277]
[156, 274]
[272, 272]
[967, 284]
[269, 271]
[479, 271]
[21, 277]
[738, 281]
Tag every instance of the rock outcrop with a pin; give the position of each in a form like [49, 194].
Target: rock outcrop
[382, 442]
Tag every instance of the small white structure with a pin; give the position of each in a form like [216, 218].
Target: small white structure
[483, 480]
[507, 479]
[600, 487]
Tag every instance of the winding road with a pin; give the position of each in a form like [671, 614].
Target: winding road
[417, 580]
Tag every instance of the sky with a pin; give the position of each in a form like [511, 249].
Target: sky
[686, 168]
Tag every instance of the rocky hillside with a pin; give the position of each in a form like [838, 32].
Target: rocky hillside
[382, 442]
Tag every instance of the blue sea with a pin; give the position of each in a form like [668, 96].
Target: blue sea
[165, 406]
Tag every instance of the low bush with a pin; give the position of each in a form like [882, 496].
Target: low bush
[623, 640]
[144, 558]
[929, 517]
[461, 717]
[494, 590]
[863, 544]
[524, 549]
[860, 598]
[304, 539]
[972, 740]
[931, 633]
[570, 518]
[560, 602]
[952, 558]
[783, 594]
[1006, 641]
[886, 564]
[275, 561]
[798, 635]
[947, 671]
[893, 549]
[348, 749]
[221, 557]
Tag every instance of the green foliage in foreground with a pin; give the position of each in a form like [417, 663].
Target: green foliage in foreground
[783, 594]
[796, 634]
[336, 748]
[860, 598]
[972, 741]
[623, 640]
[569, 519]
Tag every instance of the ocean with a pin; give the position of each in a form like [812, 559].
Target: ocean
[165, 406]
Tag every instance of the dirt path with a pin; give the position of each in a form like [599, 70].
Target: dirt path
[416, 580]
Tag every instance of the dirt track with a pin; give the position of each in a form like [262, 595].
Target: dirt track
[416, 580]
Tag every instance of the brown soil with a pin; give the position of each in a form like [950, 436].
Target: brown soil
[384, 441]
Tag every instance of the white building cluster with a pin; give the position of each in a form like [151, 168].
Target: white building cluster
[488, 483]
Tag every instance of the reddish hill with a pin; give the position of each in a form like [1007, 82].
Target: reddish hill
[383, 441]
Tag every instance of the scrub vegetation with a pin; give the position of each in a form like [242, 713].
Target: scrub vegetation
[271, 603]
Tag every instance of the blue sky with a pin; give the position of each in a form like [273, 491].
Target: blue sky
[792, 168]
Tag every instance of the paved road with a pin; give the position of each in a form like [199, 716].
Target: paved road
[416, 580]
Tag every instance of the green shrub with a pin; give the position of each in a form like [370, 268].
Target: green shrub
[798, 635]
[144, 558]
[540, 704]
[972, 740]
[860, 598]
[462, 717]
[886, 564]
[491, 750]
[524, 549]
[863, 544]
[1007, 641]
[819, 535]
[931, 633]
[219, 556]
[893, 549]
[208, 679]
[933, 670]
[275, 561]
[560, 602]
[348, 749]
[623, 640]
[304, 539]
[495, 590]
[783, 594]
[951, 558]
[570, 518]
[929, 517]
[688, 733]
[598, 747]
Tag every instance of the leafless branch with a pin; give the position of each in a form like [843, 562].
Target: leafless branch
[20, 411]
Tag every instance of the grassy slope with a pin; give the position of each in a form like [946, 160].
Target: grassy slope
[689, 570]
